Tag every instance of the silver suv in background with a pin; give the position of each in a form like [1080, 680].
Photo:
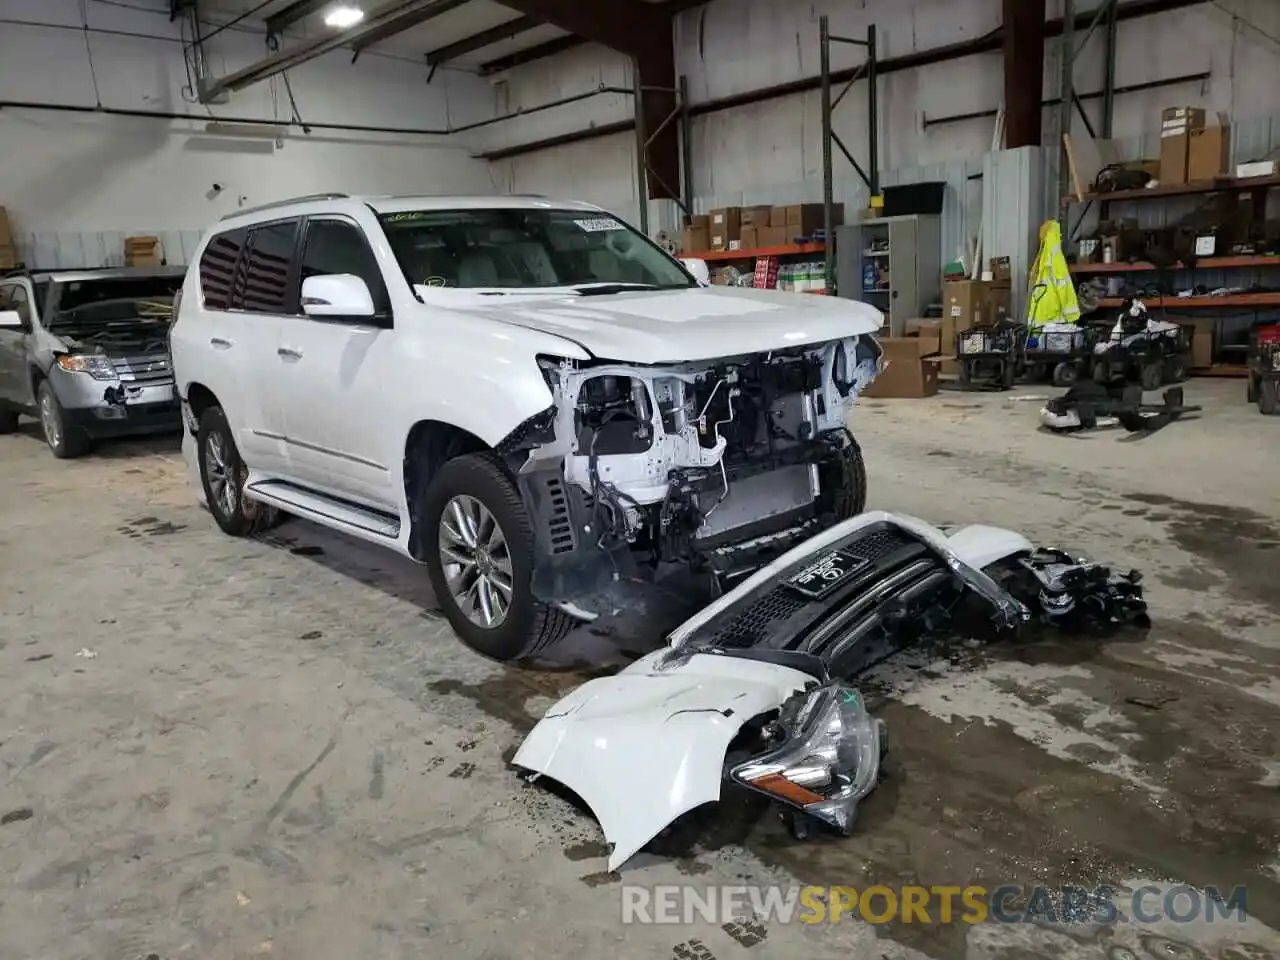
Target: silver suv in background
[86, 352]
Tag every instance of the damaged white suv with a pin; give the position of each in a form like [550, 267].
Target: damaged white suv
[527, 396]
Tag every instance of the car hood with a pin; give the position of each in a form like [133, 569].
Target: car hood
[668, 326]
[645, 746]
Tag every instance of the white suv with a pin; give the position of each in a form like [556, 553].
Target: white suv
[527, 396]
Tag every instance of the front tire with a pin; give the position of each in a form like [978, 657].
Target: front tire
[846, 479]
[480, 558]
[65, 440]
[222, 474]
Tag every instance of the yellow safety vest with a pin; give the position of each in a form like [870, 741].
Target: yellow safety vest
[1052, 298]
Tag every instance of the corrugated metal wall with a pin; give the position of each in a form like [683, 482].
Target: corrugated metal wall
[52, 251]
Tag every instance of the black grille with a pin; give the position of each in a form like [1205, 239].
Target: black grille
[876, 543]
[753, 624]
[762, 615]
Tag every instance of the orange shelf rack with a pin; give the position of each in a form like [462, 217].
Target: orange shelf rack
[786, 250]
[1208, 263]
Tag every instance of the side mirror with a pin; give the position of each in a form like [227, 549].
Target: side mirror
[336, 295]
[701, 272]
[11, 319]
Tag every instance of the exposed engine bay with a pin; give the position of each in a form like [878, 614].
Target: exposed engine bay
[721, 464]
[756, 687]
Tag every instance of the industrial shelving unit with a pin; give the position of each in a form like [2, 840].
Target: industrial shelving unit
[871, 175]
[1257, 188]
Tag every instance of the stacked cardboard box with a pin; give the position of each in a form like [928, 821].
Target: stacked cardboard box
[755, 228]
[1190, 150]
[142, 251]
[695, 238]
[970, 303]
[911, 363]
[8, 249]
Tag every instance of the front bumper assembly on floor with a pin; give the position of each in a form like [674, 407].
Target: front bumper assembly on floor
[755, 687]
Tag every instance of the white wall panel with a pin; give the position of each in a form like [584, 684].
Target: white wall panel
[67, 176]
[771, 151]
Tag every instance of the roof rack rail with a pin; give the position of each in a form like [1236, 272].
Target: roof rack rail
[309, 198]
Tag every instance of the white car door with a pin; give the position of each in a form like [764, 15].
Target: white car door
[247, 283]
[332, 371]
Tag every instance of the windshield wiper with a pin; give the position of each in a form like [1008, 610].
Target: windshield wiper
[607, 289]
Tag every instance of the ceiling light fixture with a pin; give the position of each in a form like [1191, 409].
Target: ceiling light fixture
[340, 18]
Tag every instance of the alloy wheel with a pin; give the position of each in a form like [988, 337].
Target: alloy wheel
[218, 470]
[476, 561]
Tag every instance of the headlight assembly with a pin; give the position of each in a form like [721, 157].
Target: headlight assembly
[94, 364]
[828, 757]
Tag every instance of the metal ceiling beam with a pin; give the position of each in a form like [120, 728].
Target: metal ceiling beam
[630, 26]
[530, 54]
[440, 8]
[277, 23]
[485, 38]
[561, 44]
[399, 13]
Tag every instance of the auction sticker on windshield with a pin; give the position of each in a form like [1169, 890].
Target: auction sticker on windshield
[816, 580]
[599, 225]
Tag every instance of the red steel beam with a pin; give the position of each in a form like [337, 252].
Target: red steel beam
[642, 31]
[1024, 30]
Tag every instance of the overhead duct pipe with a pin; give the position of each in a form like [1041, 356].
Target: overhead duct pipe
[379, 22]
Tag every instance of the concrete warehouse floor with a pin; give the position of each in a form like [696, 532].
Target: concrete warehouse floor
[232, 748]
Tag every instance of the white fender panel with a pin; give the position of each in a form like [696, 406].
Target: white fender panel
[980, 546]
[599, 741]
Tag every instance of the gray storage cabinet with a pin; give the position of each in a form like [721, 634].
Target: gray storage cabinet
[892, 263]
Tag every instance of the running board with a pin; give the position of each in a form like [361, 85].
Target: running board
[318, 506]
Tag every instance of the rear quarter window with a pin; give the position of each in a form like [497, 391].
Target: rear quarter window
[218, 266]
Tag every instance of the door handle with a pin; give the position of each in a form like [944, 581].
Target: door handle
[285, 353]
[219, 343]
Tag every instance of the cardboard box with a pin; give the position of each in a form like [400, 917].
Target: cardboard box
[699, 221]
[1201, 342]
[1174, 150]
[773, 236]
[1176, 126]
[1182, 119]
[6, 229]
[806, 219]
[750, 238]
[142, 252]
[778, 217]
[1209, 152]
[909, 372]
[1001, 271]
[757, 217]
[726, 227]
[695, 239]
[929, 333]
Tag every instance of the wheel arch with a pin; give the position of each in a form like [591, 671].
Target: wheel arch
[428, 446]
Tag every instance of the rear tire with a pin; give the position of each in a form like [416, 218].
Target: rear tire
[1066, 374]
[222, 474]
[527, 626]
[1175, 369]
[1251, 391]
[1268, 399]
[8, 422]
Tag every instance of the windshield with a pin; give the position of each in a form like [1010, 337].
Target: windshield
[111, 300]
[523, 248]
